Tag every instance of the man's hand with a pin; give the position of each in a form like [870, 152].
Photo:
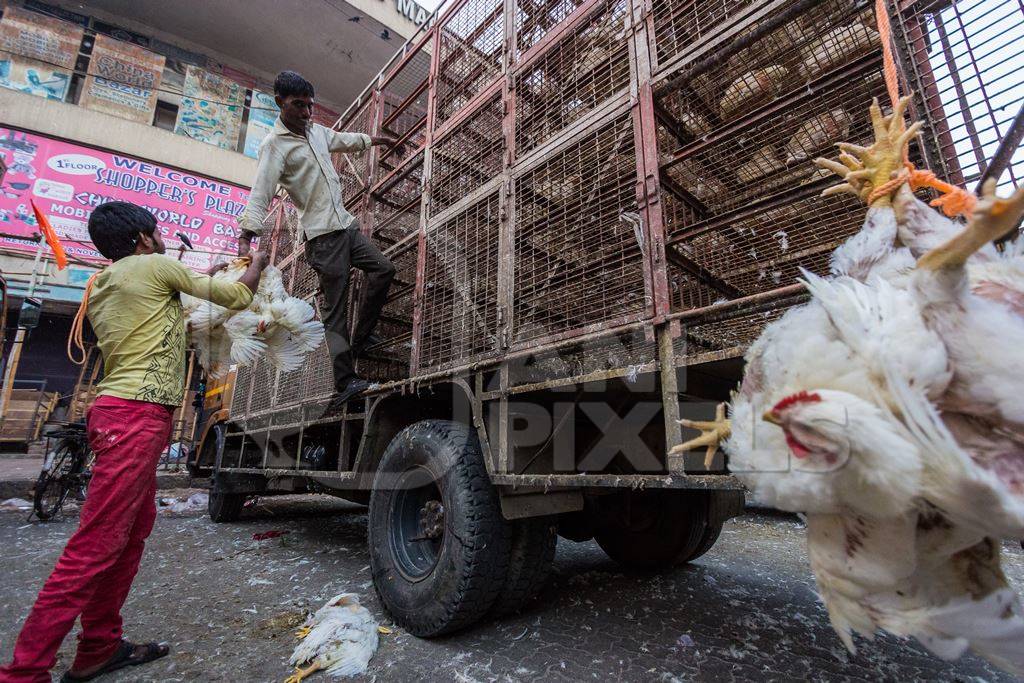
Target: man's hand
[216, 268]
[387, 141]
[244, 242]
[260, 259]
[251, 277]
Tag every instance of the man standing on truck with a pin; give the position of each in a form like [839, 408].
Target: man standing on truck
[297, 156]
[134, 306]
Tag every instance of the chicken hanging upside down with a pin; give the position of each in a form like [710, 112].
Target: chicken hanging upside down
[281, 327]
[888, 410]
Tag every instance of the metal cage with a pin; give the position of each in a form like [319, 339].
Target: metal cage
[575, 174]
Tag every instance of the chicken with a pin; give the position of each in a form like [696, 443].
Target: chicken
[969, 295]
[340, 638]
[942, 586]
[817, 133]
[842, 414]
[836, 47]
[752, 89]
[763, 162]
[275, 325]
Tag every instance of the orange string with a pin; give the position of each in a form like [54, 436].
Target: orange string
[75, 336]
[953, 200]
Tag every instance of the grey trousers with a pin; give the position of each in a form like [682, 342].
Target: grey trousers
[333, 256]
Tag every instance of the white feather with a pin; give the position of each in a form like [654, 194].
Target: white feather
[342, 640]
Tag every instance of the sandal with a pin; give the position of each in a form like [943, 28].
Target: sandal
[124, 656]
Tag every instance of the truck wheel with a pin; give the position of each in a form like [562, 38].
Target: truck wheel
[533, 552]
[225, 506]
[439, 547]
[657, 529]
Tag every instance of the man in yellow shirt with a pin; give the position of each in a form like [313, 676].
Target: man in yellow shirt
[135, 309]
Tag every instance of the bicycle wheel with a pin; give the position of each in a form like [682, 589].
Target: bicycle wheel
[52, 486]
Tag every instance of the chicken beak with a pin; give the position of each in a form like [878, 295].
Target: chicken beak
[772, 417]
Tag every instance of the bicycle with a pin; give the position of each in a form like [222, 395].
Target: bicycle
[66, 470]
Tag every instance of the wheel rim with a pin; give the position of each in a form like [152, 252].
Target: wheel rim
[417, 527]
[52, 492]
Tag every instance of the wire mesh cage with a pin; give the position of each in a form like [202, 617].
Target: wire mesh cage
[467, 157]
[470, 55]
[561, 173]
[963, 62]
[680, 24]
[460, 290]
[535, 19]
[403, 100]
[737, 136]
[390, 359]
[286, 232]
[633, 350]
[397, 199]
[304, 281]
[577, 246]
[317, 374]
[571, 79]
[727, 335]
[353, 169]
[263, 385]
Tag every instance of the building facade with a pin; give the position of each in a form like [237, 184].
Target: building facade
[160, 103]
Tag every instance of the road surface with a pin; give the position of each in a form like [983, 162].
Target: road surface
[228, 604]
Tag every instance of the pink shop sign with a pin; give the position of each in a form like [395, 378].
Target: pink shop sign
[67, 181]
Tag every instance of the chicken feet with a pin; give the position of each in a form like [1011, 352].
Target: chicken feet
[712, 435]
[303, 672]
[993, 217]
[866, 168]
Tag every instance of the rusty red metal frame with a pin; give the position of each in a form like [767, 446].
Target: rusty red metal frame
[647, 84]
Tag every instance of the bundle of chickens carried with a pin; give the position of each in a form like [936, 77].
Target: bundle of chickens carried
[279, 327]
[887, 410]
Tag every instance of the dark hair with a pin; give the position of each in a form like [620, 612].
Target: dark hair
[290, 83]
[114, 227]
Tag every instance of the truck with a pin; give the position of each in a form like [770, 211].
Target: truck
[595, 208]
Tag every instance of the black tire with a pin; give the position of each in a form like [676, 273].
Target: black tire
[225, 506]
[530, 559]
[202, 460]
[439, 547]
[707, 540]
[657, 529]
[51, 488]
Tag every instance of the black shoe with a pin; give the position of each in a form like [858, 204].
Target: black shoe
[371, 340]
[340, 398]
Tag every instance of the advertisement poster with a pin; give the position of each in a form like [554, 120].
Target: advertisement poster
[211, 108]
[122, 80]
[68, 181]
[263, 112]
[37, 53]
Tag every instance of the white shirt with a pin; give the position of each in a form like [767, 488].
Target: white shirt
[302, 166]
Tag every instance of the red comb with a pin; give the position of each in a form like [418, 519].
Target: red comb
[793, 399]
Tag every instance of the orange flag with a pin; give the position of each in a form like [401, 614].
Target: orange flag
[51, 237]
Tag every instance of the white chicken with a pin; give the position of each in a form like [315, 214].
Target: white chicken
[970, 296]
[836, 417]
[281, 327]
[340, 638]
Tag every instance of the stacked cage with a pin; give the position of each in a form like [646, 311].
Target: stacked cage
[573, 172]
[394, 204]
[459, 300]
[738, 127]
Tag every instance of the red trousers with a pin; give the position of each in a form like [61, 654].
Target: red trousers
[95, 572]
